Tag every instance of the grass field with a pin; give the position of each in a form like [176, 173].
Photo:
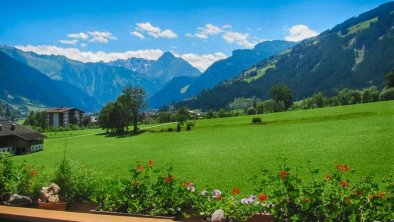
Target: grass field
[227, 152]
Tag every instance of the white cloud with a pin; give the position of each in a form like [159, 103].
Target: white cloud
[227, 26]
[83, 45]
[300, 32]
[89, 56]
[239, 38]
[155, 31]
[69, 42]
[101, 37]
[206, 31]
[80, 35]
[210, 29]
[137, 34]
[202, 62]
[242, 39]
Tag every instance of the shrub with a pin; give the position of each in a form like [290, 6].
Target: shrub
[189, 126]
[334, 197]
[387, 94]
[349, 96]
[76, 181]
[148, 191]
[19, 179]
[170, 129]
[6, 174]
[256, 120]
[178, 127]
[266, 106]
[251, 111]
[370, 94]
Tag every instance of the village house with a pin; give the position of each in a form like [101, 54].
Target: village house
[17, 139]
[64, 116]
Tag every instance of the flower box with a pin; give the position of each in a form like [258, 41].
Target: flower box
[130, 215]
[81, 207]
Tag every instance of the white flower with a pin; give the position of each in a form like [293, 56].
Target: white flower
[204, 192]
[216, 193]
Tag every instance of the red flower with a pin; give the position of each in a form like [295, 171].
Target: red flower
[187, 183]
[236, 191]
[342, 168]
[344, 184]
[328, 177]
[283, 173]
[219, 197]
[168, 179]
[263, 197]
[33, 172]
[150, 163]
[140, 168]
[358, 193]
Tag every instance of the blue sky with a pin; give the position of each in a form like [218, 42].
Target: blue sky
[199, 31]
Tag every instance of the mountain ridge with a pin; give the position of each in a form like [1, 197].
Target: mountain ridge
[354, 54]
[19, 79]
[227, 68]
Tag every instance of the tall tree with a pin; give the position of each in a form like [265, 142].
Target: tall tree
[182, 115]
[282, 94]
[104, 120]
[134, 99]
[390, 79]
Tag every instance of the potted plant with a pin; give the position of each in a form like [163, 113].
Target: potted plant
[78, 184]
[82, 187]
[49, 198]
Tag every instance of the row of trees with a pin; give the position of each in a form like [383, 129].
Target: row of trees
[117, 116]
[282, 99]
[351, 96]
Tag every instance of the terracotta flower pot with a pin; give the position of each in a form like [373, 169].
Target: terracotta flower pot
[52, 206]
[82, 207]
[261, 217]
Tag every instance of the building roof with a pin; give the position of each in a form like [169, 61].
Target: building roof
[61, 109]
[20, 131]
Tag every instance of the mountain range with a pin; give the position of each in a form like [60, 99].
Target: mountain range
[21, 80]
[102, 82]
[355, 54]
[219, 71]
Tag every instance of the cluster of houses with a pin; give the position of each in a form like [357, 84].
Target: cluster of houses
[18, 139]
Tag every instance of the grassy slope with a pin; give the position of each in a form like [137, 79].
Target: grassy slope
[227, 152]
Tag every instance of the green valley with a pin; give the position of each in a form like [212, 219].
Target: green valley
[227, 152]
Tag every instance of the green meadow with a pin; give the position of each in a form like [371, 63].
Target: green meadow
[227, 152]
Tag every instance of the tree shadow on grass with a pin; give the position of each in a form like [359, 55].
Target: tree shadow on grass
[123, 135]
